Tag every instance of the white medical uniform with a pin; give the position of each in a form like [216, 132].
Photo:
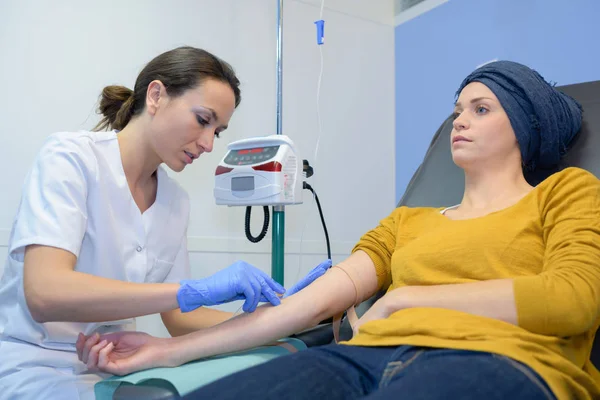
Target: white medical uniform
[76, 198]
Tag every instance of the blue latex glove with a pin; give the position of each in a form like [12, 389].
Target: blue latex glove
[239, 281]
[316, 272]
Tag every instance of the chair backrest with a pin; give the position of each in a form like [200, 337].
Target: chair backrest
[438, 182]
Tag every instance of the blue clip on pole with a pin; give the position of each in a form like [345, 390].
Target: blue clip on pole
[320, 31]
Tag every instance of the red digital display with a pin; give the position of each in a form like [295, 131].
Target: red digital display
[250, 151]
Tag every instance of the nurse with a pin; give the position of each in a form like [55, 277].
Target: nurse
[100, 234]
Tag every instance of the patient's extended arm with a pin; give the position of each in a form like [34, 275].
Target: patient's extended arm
[179, 323]
[334, 292]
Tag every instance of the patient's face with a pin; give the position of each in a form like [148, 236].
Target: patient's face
[482, 134]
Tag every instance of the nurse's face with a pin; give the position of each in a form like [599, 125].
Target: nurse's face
[184, 127]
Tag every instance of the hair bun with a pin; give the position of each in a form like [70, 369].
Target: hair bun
[116, 102]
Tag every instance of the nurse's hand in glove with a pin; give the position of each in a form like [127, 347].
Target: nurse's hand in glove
[239, 281]
[313, 275]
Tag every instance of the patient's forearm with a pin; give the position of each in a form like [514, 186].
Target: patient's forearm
[178, 323]
[328, 295]
[492, 299]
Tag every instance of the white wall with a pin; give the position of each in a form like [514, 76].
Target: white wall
[379, 11]
[56, 57]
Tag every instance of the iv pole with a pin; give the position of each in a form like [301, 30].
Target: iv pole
[278, 234]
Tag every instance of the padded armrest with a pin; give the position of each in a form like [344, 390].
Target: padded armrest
[153, 389]
[317, 336]
[323, 333]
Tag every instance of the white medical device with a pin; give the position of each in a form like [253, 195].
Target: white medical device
[261, 171]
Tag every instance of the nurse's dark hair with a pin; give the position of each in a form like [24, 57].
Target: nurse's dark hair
[179, 69]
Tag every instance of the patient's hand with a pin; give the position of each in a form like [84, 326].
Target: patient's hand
[380, 310]
[121, 353]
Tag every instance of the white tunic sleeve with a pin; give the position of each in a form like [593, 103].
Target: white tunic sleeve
[53, 208]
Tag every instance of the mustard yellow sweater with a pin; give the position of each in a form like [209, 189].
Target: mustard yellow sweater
[548, 243]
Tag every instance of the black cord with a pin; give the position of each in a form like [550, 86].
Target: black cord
[307, 186]
[262, 234]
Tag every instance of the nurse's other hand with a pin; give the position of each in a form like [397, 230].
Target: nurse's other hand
[239, 281]
[122, 353]
[313, 275]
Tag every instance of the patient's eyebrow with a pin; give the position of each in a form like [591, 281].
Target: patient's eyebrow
[475, 100]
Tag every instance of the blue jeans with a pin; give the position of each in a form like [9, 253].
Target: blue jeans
[406, 372]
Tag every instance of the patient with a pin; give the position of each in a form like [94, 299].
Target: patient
[497, 297]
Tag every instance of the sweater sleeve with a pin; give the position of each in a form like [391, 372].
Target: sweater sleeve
[564, 299]
[379, 243]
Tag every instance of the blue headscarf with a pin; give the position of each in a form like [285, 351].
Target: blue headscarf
[545, 120]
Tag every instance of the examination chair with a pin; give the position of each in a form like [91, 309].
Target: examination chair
[438, 183]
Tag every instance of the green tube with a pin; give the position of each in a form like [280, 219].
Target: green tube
[277, 250]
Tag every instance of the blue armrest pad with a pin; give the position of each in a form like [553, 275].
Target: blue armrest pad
[191, 376]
